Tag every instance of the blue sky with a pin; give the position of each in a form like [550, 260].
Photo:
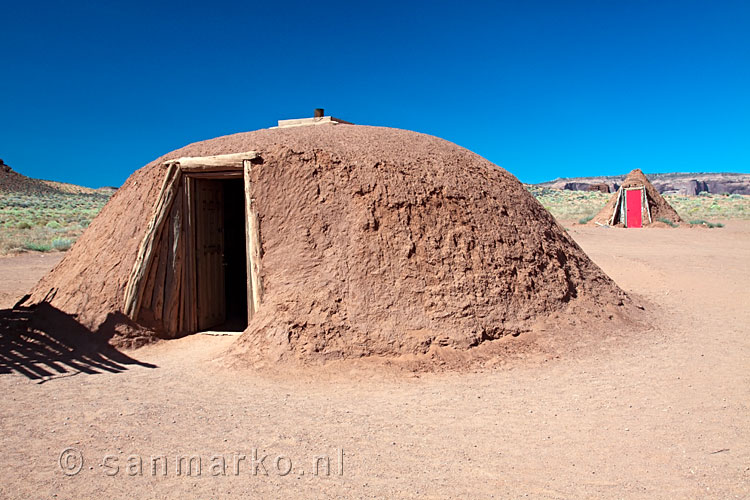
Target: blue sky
[90, 91]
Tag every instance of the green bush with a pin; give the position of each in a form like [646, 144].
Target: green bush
[62, 244]
[701, 222]
[37, 247]
[53, 224]
[667, 222]
[23, 225]
[585, 220]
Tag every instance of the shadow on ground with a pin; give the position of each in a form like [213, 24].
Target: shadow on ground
[44, 343]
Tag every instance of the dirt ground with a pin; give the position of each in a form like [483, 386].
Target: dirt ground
[664, 415]
[18, 274]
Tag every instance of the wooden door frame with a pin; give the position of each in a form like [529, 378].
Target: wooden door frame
[229, 166]
[621, 204]
[644, 204]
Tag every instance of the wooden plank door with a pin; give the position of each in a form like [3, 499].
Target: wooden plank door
[209, 248]
[634, 217]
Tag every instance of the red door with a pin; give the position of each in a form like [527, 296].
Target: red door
[633, 205]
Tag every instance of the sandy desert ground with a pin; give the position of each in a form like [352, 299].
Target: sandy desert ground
[20, 273]
[664, 414]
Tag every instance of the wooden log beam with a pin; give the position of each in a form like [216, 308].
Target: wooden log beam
[190, 301]
[173, 279]
[217, 174]
[618, 203]
[148, 285]
[247, 170]
[645, 202]
[183, 270]
[134, 288]
[161, 259]
[252, 246]
[233, 161]
[254, 239]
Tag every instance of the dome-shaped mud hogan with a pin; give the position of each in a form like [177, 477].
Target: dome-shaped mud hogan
[326, 242]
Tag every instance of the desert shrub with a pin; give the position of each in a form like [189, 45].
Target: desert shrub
[62, 244]
[33, 221]
[18, 202]
[569, 205]
[37, 247]
[584, 220]
[701, 222]
[667, 222]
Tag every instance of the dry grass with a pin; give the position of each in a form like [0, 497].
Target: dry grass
[45, 221]
[711, 206]
[570, 205]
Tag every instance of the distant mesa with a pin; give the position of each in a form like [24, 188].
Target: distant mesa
[585, 186]
[686, 184]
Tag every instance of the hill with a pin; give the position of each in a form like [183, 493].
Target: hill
[44, 215]
[13, 182]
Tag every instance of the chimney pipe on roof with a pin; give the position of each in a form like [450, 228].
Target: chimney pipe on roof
[319, 113]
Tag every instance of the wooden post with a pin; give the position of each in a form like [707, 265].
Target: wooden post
[173, 277]
[618, 200]
[252, 246]
[161, 260]
[182, 298]
[190, 291]
[254, 239]
[134, 288]
[645, 202]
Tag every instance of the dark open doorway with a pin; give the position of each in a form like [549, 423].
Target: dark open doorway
[221, 266]
[235, 260]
